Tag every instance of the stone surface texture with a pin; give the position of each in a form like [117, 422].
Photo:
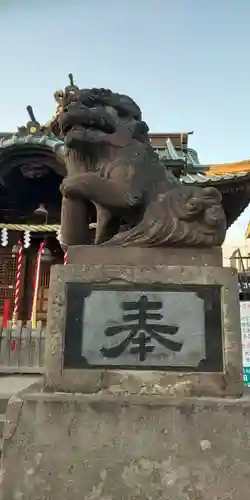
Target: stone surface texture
[228, 383]
[75, 447]
[140, 256]
[111, 164]
[183, 310]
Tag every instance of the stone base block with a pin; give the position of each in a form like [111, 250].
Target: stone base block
[75, 447]
[142, 256]
[145, 324]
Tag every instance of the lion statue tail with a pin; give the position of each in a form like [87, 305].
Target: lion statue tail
[184, 216]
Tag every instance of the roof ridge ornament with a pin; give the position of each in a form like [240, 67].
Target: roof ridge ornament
[33, 127]
[59, 96]
[71, 80]
[31, 113]
[50, 129]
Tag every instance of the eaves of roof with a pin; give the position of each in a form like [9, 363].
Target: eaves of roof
[15, 140]
[229, 168]
[206, 178]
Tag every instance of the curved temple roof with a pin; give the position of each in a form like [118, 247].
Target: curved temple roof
[9, 140]
[195, 173]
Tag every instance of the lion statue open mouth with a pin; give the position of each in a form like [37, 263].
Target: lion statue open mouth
[98, 115]
[111, 164]
[86, 124]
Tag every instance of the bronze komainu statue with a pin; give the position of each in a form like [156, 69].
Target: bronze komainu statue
[111, 164]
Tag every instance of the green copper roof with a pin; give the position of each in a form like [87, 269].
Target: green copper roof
[169, 152]
[195, 173]
[51, 142]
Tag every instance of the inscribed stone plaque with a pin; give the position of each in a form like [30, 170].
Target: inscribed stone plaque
[153, 328]
[145, 327]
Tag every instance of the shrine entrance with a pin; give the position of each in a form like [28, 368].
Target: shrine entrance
[19, 285]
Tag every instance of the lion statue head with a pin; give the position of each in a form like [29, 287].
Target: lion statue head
[99, 116]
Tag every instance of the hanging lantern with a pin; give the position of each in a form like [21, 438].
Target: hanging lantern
[14, 250]
[46, 255]
[41, 210]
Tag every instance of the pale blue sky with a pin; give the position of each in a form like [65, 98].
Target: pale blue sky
[186, 63]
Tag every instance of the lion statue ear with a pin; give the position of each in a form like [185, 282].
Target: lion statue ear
[140, 132]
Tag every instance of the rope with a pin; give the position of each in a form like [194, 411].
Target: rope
[18, 281]
[48, 228]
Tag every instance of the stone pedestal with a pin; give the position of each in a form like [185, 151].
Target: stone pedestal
[133, 332]
[142, 321]
[144, 257]
[99, 447]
